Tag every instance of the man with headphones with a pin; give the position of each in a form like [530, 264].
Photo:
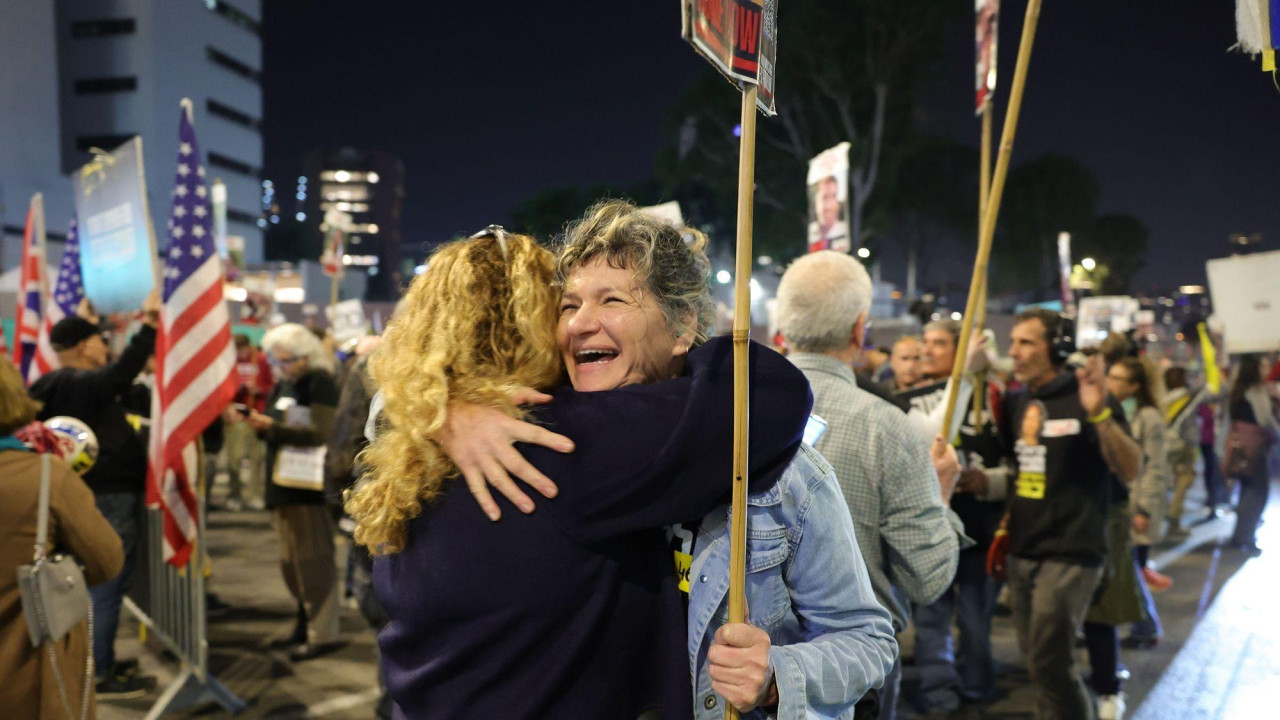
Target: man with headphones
[1067, 439]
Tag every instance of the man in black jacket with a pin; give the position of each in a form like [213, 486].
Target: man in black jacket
[87, 387]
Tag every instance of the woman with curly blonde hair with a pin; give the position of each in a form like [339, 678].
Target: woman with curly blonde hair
[570, 611]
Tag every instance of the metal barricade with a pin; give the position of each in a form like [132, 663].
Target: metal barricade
[176, 616]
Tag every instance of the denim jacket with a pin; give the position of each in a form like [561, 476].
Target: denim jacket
[807, 586]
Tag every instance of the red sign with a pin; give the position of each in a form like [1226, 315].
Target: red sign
[738, 37]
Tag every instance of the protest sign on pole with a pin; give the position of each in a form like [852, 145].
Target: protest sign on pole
[740, 26]
[828, 183]
[992, 210]
[1064, 273]
[739, 38]
[347, 320]
[1102, 315]
[986, 47]
[117, 243]
[1246, 297]
[668, 211]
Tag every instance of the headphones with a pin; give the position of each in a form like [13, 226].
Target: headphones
[1062, 338]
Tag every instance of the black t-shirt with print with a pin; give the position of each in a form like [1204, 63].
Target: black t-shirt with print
[1058, 502]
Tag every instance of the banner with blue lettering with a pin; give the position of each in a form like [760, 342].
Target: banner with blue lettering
[117, 243]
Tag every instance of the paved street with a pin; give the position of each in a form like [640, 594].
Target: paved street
[1221, 645]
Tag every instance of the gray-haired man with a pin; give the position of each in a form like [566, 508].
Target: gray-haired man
[908, 537]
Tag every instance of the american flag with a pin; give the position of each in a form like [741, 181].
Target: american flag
[31, 285]
[195, 360]
[60, 302]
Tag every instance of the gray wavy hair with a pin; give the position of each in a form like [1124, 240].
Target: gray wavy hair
[820, 298]
[669, 261]
[298, 341]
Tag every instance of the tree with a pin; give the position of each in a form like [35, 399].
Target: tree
[847, 71]
[1043, 197]
[1119, 243]
[936, 198]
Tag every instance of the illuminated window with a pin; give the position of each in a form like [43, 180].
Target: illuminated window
[235, 15]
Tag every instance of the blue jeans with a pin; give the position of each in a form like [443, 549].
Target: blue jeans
[121, 510]
[949, 675]
[1150, 628]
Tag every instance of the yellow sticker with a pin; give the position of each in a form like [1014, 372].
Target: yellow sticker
[1268, 61]
[684, 561]
[1031, 485]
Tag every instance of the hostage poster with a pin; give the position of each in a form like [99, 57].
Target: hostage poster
[828, 183]
[985, 46]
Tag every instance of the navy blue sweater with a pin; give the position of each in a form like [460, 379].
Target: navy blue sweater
[573, 611]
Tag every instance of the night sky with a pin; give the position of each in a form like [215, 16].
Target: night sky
[489, 103]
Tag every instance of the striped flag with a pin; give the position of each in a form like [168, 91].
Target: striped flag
[195, 360]
[31, 287]
[60, 301]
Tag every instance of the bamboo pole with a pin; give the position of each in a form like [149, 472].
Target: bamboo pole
[988, 227]
[984, 192]
[741, 390]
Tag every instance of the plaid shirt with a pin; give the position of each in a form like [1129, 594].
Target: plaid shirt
[908, 538]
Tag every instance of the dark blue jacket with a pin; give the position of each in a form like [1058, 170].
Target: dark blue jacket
[573, 611]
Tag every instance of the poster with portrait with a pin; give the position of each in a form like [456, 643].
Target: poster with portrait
[828, 182]
[985, 46]
[117, 242]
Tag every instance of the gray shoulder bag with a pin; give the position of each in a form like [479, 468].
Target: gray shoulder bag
[55, 597]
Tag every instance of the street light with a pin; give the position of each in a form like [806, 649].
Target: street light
[1088, 264]
[723, 277]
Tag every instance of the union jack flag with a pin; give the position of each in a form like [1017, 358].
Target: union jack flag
[31, 285]
[60, 302]
[195, 359]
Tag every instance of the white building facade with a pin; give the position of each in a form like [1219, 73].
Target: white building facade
[79, 74]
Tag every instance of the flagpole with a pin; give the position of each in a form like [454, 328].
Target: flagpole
[992, 210]
[741, 390]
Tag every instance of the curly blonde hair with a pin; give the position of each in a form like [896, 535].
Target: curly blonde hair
[669, 261]
[477, 324]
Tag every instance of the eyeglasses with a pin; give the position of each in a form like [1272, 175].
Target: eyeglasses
[496, 232]
[281, 362]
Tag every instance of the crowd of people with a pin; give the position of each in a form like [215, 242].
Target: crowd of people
[531, 470]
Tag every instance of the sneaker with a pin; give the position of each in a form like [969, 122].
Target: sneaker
[121, 687]
[1111, 707]
[128, 666]
[1156, 581]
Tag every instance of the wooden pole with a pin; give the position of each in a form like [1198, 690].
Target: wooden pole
[741, 390]
[984, 193]
[992, 211]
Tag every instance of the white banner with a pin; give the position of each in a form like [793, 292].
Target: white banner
[1246, 297]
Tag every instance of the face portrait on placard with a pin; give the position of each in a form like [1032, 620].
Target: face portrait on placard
[828, 225]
